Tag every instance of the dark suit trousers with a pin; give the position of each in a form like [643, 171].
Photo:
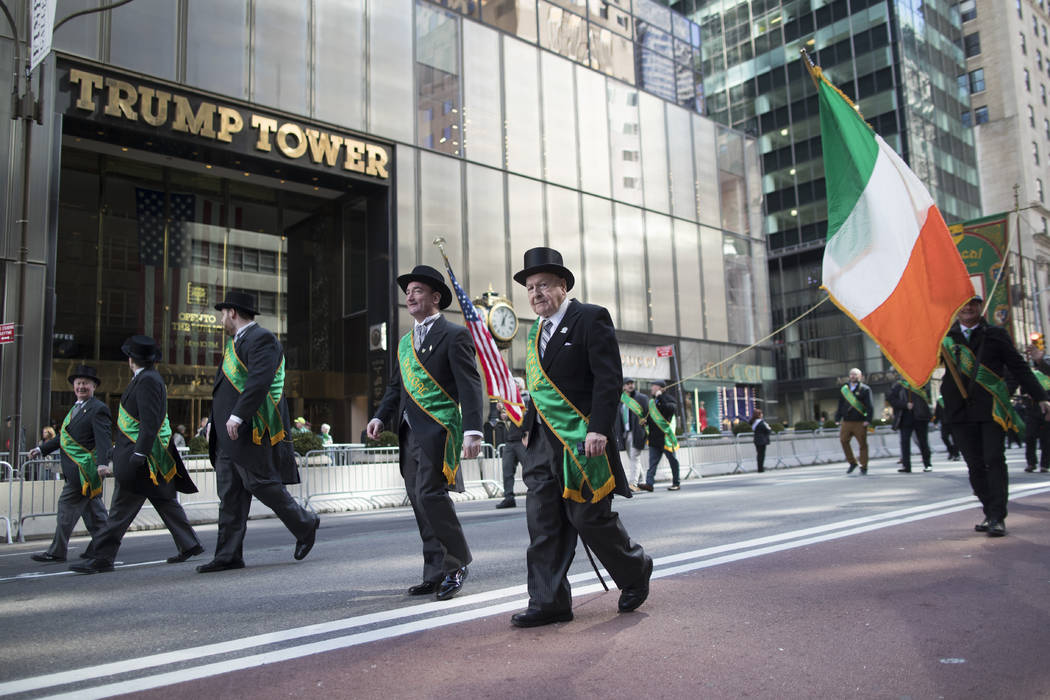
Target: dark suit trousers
[981, 445]
[760, 457]
[921, 431]
[72, 506]
[444, 544]
[236, 486]
[949, 442]
[513, 455]
[1037, 432]
[554, 524]
[655, 453]
[125, 505]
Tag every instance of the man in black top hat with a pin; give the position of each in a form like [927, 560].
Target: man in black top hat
[572, 466]
[146, 463]
[249, 442]
[442, 363]
[977, 405]
[85, 442]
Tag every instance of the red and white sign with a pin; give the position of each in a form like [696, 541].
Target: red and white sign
[7, 333]
[665, 351]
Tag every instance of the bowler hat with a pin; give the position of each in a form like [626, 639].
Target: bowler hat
[976, 297]
[544, 260]
[430, 277]
[85, 372]
[141, 348]
[240, 301]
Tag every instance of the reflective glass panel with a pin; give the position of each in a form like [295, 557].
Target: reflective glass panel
[625, 143]
[740, 306]
[562, 31]
[143, 37]
[563, 229]
[78, 36]
[593, 127]
[680, 140]
[612, 54]
[706, 166]
[281, 54]
[516, 17]
[714, 299]
[630, 268]
[482, 113]
[654, 153]
[391, 95]
[525, 215]
[437, 79]
[487, 250]
[217, 35]
[407, 234]
[559, 134]
[339, 71]
[440, 206]
[600, 254]
[663, 302]
[690, 300]
[522, 99]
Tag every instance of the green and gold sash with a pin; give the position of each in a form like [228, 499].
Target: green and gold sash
[424, 390]
[854, 401]
[268, 418]
[1003, 411]
[161, 463]
[90, 481]
[907, 385]
[670, 439]
[1044, 380]
[570, 426]
[634, 407]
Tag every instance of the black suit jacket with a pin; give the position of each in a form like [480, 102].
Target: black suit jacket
[667, 407]
[995, 350]
[448, 354]
[583, 361]
[899, 397]
[261, 353]
[91, 426]
[146, 398]
[762, 432]
[635, 425]
[848, 413]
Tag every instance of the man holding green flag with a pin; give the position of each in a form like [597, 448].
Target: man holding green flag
[572, 467]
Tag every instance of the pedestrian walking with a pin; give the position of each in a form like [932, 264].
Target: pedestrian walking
[662, 439]
[435, 399]
[632, 431]
[1037, 433]
[853, 416]
[911, 416]
[941, 420]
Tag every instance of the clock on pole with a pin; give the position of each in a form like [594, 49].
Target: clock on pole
[499, 316]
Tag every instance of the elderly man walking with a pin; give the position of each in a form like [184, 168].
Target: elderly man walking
[854, 415]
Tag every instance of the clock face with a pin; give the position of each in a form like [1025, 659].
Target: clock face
[503, 322]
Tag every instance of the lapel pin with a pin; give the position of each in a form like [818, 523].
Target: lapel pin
[564, 329]
[430, 347]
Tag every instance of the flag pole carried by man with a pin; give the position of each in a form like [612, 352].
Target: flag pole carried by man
[890, 263]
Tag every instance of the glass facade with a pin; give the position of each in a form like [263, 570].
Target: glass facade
[515, 124]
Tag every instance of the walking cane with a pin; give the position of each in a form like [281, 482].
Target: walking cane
[594, 566]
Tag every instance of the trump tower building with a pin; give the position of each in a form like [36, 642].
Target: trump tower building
[309, 150]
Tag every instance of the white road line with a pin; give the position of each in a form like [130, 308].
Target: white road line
[753, 548]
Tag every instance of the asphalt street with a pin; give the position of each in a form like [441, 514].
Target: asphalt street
[152, 625]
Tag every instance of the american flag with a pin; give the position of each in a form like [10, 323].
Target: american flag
[498, 379]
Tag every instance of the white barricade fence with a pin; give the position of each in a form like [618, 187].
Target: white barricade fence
[7, 473]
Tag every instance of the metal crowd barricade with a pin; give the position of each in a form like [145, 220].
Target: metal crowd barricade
[8, 473]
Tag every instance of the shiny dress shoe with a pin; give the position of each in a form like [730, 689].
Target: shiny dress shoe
[183, 556]
[538, 618]
[303, 547]
[674, 487]
[424, 588]
[927, 468]
[507, 503]
[902, 470]
[94, 566]
[631, 598]
[645, 487]
[1030, 468]
[851, 468]
[216, 565]
[982, 526]
[863, 471]
[996, 528]
[44, 556]
[452, 584]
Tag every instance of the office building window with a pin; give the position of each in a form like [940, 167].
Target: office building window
[1035, 26]
[977, 80]
[1046, 128]
[968, 10]
[1031, 116]
[1020, 15]
[972, 44]
[1024, 44]
[980, 115]
[438, 79]
[1038, 59]
[1039, 189]
[1042, 93]
[967, 118]
[1035, 152]
[1046, 226]
[1027, 81]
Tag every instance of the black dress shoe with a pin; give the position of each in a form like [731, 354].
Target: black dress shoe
[538, 618]
[863, 471]
[902, 470]
[94, 566]
[645, 487]
[631, 598]
[425, 588]
[44, 556]
[507, 503]
[451, 585]
[84, 555]
[851, 468]
[183, 556]
[982, 526]
[216, 565]
[303, 547]
[996, 528]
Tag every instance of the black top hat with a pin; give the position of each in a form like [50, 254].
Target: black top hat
[544, 260]
[142, 349]
[85, 372]
[240, 301]
[430, 277]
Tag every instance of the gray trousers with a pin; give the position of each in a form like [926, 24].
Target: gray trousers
[236, 486]
[513, 455]
[556, 522]
[125, 505]
[72, 506]
[445, 546]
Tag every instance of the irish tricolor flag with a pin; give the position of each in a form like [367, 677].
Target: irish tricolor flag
[890, 262]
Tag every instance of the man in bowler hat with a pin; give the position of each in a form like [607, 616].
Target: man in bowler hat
[146, 463]
[249, 442]
[572, 467]
[84, 439]
[436, 374]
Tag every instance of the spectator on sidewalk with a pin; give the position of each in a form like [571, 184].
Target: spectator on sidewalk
[326, 435]
[761, 430]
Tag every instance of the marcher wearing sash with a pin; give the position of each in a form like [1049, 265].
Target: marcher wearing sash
[572, 467]
[249, 442]
[436, 378]
[911, 415]
[662, 439]
[84, 439]
[853, 415]
[146, 464]
[977, 405]
[1037, 430]
[513, 449]
[632, 431]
